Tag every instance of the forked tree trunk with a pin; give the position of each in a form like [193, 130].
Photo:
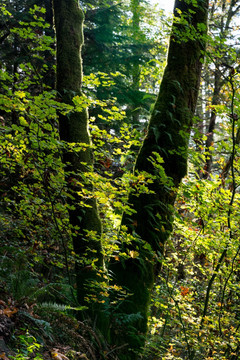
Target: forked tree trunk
[73, 128]
[168, 134]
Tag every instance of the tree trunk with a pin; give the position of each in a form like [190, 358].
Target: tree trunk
[168, 134]
[212, 124]
[136, 33]
[83, 215]
[220, 74]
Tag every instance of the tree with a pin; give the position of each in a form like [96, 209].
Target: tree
[163, 155]
[73, 129]
[162, 160]
[116, 42]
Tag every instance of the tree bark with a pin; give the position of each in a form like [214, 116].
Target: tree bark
[168, 135]
[212, 124]
[135, 8]
[73, 128]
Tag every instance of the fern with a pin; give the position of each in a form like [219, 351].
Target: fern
[54, 293]
[43, 325]
[48, 306]
[20, 282]
[127, 319]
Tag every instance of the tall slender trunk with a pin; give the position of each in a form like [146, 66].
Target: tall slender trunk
[73, 128]
[168, 134]
[212, 124]
[135, 8]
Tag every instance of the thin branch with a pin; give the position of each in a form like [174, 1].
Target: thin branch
[224, 290]
[229, 213]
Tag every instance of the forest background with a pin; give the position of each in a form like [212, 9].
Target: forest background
[50, 306]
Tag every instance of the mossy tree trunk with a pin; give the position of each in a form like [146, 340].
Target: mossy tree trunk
[168, 135]
[68, 18]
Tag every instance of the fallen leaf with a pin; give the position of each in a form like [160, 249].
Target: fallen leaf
[8, 312]
[3, 356]
[58, 356]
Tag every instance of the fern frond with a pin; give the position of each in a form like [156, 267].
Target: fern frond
[48, 306]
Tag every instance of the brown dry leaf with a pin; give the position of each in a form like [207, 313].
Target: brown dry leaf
[8, 312]
[3, 356]
[58, 356]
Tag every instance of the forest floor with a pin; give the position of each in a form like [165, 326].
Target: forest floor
[24, 334]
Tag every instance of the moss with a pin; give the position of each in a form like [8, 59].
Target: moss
[68, 18]
[168, 135]
[74, 128]
[130, 318]
[168, 131]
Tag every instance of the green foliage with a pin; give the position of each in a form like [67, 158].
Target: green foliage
[37, 258]
[35, 195]
[195, 303]
[127, 39]
[28, 347]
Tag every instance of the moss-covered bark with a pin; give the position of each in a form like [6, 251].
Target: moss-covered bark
[73, 128]
[168, 134]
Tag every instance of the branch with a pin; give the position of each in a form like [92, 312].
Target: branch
[229, 213]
